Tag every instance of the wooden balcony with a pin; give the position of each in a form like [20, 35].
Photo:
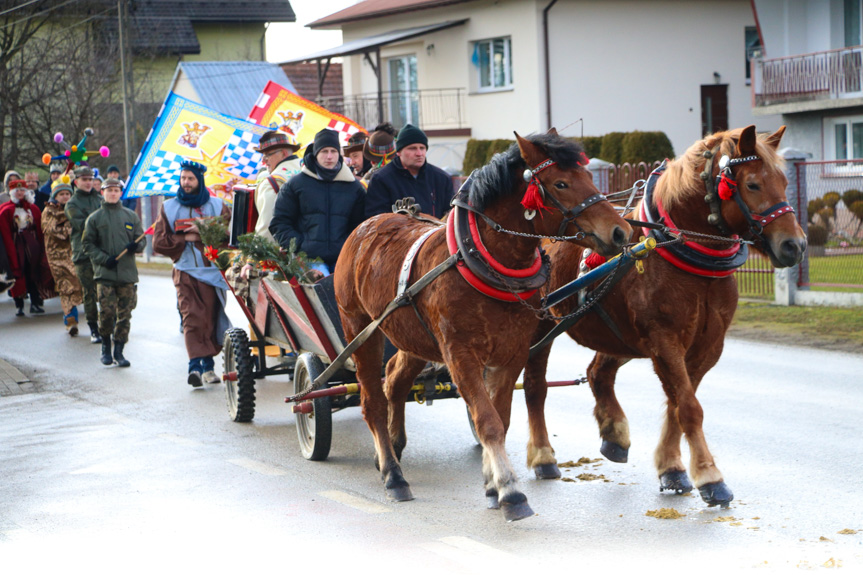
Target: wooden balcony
[809, 81]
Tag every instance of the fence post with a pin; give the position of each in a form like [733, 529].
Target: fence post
[785, 280]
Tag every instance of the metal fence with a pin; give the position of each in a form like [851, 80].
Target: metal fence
[821, 75]
[830, 208]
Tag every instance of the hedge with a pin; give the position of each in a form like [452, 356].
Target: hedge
[614, 147]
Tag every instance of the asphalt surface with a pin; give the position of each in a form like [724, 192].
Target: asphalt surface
[131, 470]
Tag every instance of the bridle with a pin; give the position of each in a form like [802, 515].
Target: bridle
[724, 187]
[536, 194]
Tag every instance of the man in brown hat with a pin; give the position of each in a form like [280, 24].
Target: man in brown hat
[354, 154]
[379, 149]
[279, 151]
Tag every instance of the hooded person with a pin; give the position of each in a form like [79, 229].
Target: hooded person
[320, 206]
[4, 192]
[44, 194]
[57, 231]
[21, 229]
[200, 286]
[279, 151]
[410, 175]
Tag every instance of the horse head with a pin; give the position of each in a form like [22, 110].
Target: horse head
[751, 186]
[555, 174]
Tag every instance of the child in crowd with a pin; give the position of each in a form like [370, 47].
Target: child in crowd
[57, 231]
[111, 240]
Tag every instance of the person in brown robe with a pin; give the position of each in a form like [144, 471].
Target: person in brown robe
[200, 286]
[57, 230]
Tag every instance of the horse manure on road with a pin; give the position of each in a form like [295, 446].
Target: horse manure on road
[579, 463]
[847, 532]
[665, 513]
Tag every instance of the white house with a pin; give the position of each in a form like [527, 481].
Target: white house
[480, 68]
[811, 72]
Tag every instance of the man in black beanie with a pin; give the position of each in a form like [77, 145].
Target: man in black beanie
[410, 175]
[320, 206]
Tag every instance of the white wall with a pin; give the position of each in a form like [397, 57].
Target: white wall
[627, 65]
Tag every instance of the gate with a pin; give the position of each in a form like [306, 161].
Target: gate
[830, 209]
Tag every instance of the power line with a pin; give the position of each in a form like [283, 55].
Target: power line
[37, 14]
[24, 5]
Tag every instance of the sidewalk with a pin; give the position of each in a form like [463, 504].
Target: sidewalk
[12, 381]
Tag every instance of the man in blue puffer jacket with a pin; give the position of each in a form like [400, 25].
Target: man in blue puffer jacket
[320, 206]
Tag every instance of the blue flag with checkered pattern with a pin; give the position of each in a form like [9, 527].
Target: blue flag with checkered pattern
[186, 130]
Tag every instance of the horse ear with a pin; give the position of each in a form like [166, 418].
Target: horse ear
[529, 151]
[552, 131]
[746, 143]
[773, 139]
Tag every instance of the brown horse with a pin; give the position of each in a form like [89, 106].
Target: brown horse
[482, 340]
[677, 312]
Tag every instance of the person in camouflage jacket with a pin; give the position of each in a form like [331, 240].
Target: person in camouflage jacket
[57, 230]
[111, 239]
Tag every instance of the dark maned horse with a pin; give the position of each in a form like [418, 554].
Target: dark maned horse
[678, 311]
[482, 340]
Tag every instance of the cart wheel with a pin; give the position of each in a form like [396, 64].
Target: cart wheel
[472, 426]
[240, 393]
[315, 429]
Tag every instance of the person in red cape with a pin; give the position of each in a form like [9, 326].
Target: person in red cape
[21, 228]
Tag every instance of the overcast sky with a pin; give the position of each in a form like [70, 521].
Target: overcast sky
[286, 41]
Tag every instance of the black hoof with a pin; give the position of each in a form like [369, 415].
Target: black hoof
[614, 452]
[491, 499]
[400, 493]
[547, 471]
[516, 511]
[676, 481]
[716, 494]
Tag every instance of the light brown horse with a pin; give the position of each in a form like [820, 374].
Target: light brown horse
[483, 341]
[676, 317]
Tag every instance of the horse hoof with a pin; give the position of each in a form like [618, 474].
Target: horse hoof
[547, 471]
[491, 499]
[676, 481]
[516, 511]
[614, 452]
[716, 494]
[400, 493]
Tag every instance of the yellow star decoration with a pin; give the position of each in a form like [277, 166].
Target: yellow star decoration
[217, 170]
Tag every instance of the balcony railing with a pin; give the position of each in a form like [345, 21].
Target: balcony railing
[807, 77]
[438, 109]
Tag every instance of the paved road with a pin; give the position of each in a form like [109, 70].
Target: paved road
[132, 470]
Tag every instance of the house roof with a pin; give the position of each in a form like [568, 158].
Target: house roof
[304, 77]
[165, 26]
[370, 42]
[376, 9]
[231, 87]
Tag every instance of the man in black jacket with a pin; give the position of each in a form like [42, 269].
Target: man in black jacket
[410, 175]
[320, 206]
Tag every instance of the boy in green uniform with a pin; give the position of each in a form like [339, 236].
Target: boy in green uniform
[109, 240]
[83, 203]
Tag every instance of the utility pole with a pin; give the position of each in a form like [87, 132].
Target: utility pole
[122, 19]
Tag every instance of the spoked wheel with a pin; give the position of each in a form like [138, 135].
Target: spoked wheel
[238, 366]
[314, 429]
[472, 426]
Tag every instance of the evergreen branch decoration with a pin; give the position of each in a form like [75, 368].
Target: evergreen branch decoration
[268, 256]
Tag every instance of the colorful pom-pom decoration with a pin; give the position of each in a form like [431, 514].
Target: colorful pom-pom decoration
[85, 158]
[67, 153]
[58, 137]
[74, 148]
[104, 151]
[46, 159]
[65, 178]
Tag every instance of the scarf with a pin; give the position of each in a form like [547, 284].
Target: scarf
[195, 199]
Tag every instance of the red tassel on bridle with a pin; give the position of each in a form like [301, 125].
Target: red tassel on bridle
[532, 199]
[727, 186]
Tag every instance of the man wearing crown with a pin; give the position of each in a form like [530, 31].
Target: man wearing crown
[280, 156]
[200, 286]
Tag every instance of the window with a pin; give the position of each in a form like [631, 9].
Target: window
[493, 61]
[844, 138]
[852, 23]
[404, 96]
[753, 49]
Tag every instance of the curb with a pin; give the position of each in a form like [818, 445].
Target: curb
[12, 381]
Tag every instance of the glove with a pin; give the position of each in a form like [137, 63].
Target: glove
[131, 247]
[111, 263]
